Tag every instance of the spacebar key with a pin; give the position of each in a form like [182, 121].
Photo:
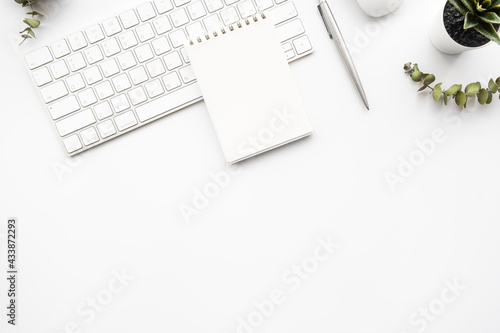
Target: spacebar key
[168, 102]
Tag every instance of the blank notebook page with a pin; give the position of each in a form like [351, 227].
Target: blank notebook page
[249, 90]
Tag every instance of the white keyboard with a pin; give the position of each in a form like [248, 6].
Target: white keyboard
[131, 69]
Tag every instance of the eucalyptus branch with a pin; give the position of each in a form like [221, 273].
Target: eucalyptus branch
[31, 22]
[461, 97]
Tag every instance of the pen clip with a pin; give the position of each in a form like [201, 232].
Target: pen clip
[320, 7]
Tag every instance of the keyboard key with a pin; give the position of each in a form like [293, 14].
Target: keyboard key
[161, 45]
[163, 6]
[77, 41]
[42, 76]
[63, 107]
[120, 103]
[109, 67]
[155, 68]
[75, 82]
[76, 62]
[179, 3]
[125, 121]
[138, 75]
[280, 1]
[87, 97]
[60, 48]
[137, 96]
[146, 12]
[106, 129]
[89, 136]
[127, 40]
[195, 30]
[110, 47]
[187, 74]
[54, 91]
[196, 10]
[162, 25]
[93, 54]
[94, 34]
[171, 81]
[213, 5]
[212, 23]
[75, 122]
[290, 30]
[129, 19]
[246, 8]
[264, 4]
[283, 13]
[72, 144]
[92, 75]
[168, 103]
[229, 16]
[38, 58]
[104, 90]
[126, 60]
[179, 17]
[103, 110]
[154, 88]
[59, 69]
[178, 38]
[145, 32]
[172, 60]
[230, 2]
[112, 26]
[121, 82]
[185, 55]
[302, 45]
[144, 53]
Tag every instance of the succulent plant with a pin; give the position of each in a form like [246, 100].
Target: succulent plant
[31, 22]
[480, 15]
[461, 96]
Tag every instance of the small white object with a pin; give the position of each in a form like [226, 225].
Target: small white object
[127, 39]
[214, 5]
[229, 16]
[144, 32]
[162, 25]
[179, 3]
[103, 110]
[290, 29]
[63, 107]
[112, 26]
[60, 48]
[246, 8]
[377, 8]
[187, 74]
[94, 34]
[87, 97]
[120, 103]
[302, 44]
[171, 81]
[54, 91]
[163, 6]
[110, 47]
[264, 4]
[104, 90]
[146, 11]
[154, 88]
[172, 60]
[283, 13]
[121, 82]
[155, 68]
[72, 143]
[196, 10]
[137, 96]
[126, 60]
[75, 82]
[75, 122]
[92, 75]
[138, 75]
[77, 41]
[125, 120]
[161, 45]
[42, 76]
[179, 17]
[129, 19]
[106, 128]
[93, 54]
[38, 58]
[76, 62]
[178, 38]
[89, 136]
[144, 53]
[109, 67]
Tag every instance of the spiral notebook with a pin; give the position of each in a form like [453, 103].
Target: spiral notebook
[248, 88]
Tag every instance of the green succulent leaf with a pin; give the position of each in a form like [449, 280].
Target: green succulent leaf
[453, 89]
[461, 98]
[429, 78]
[32, 22]
[471, 21]
[472, 89]
[469, 4]
[493, 86]
[487, 30]
[490, 17]
[490, 98]
[437, 92]
[417, 75]
[482, 96]
[460, 6]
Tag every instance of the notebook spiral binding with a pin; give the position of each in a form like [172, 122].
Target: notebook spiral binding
[230, 27]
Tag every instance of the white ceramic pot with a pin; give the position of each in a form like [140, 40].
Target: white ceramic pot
[377, 8]
[442, 40]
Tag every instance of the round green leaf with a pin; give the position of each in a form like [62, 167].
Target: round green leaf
[453, 89]
[429, 78]
[32, 22]
[417, 76]
[482, 96]
[438, 92]
[490, 98]
[461, 98]
[498, 82]
[472, 89]
[493, 86]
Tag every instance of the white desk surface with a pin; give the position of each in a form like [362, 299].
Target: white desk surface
[116, 207]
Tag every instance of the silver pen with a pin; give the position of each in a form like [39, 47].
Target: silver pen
[335, 34]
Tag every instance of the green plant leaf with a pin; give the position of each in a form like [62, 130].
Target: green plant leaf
[417, 76]
[461, 98]
[429, 78]
[495, 3]
[31, 22]
[487, 30]
[471, 21]
[460, 6]
[490, 98]
[453, 89]
[34, 12]
[492, 86]
[498, 80]
[482, 96]
[469, 4]
[490, 17]
[472, 89]
[438, 92]
[445, 99]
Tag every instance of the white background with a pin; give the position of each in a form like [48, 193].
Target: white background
[116, 207]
